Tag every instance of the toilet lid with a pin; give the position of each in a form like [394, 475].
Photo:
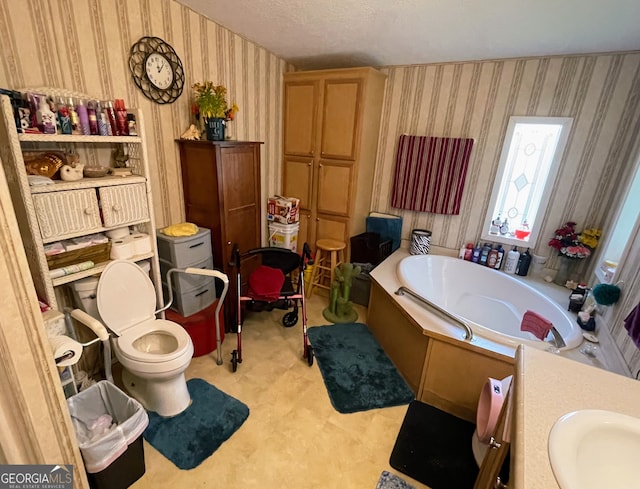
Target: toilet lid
[490, 403]
[126, 296]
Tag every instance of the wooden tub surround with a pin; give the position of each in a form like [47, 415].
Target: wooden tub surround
[445, 372]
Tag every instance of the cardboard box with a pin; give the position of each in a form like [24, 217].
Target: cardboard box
[284, 210]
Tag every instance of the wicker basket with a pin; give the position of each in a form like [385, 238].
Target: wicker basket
[97, 254]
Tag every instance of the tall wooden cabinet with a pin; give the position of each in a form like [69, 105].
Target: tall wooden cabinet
[221, 184]
[331, 125]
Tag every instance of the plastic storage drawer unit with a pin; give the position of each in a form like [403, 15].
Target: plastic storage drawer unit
[183, 251]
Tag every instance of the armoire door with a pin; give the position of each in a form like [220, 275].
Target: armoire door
[300, 117]
[340, 118]
[241, 208]
[297, 180]
[334, 187]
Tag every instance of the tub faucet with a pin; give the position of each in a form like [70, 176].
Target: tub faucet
[557, 341]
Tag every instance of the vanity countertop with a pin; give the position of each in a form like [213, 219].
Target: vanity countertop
[547, 387]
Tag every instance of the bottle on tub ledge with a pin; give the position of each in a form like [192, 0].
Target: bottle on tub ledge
[523, 264]
[511, 262]
[500, 257]
[475, 256]
[492, 258]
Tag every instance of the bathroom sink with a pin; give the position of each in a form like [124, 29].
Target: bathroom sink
[592, 449]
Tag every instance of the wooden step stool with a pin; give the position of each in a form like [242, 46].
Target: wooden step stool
[329, 254]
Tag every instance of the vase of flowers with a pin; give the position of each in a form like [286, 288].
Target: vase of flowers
[572, 247]
[210, 106]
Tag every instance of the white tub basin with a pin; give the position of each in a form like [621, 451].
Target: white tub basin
[595, 449]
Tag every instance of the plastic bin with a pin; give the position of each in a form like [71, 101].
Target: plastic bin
[114, 458]
[284, 236]
[369, 248]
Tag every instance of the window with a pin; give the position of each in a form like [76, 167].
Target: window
[618, 239]
[533, 147]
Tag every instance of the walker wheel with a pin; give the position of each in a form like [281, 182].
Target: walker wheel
[290, 319]
[310, 355]
[234, 360]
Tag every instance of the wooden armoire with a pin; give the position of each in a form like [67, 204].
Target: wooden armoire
[221, 185]
[330, 141]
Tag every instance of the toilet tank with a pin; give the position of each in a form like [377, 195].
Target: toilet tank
[84, 295]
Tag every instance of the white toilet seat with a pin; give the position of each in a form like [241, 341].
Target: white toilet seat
[128, 348]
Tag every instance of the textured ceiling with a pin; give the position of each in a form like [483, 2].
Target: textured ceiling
[316, 34]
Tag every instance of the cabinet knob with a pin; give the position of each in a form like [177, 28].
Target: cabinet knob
[309, 164]
[88, 211]
[116, 207]
[317, 219]
[228, 243]
[320, 165]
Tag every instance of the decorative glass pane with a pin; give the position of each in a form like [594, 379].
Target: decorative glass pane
[529, 159]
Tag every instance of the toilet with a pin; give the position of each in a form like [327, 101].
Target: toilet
[154, 353]
[493, 394]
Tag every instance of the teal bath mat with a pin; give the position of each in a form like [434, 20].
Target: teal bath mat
[193, 435]
[357, 372]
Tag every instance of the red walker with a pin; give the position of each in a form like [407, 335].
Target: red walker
[274, 288]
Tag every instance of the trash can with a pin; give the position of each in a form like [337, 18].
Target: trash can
[361, 285]
[109, 426]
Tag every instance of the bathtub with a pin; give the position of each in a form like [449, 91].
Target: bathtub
[491, 301]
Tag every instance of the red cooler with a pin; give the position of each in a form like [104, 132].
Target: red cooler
[201, 327]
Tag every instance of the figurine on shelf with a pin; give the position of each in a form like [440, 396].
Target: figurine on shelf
[192, 134]
[71, 173]
[120, 158]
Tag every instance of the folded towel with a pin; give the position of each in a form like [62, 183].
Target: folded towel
[182, 229]
[632, 325]
[265, 283]
[536, 324]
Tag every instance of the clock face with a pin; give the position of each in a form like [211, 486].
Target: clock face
[156, 69]
[159, 71]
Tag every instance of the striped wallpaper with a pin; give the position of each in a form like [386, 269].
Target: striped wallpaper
[83, 45]
[476, 99]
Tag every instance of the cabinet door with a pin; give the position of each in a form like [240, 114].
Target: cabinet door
[300, 116]
[340, 118]
[332, 227]
[297, 180]
[66, 214]
[124, 204]
[334, 188]
[239, 170]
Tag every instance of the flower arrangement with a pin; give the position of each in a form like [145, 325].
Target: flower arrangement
[210, 100]
[575, 245]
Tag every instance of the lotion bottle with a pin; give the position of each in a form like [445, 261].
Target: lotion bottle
[484, 254]
[512, 261]
[475, 257]
[500, 256]
[523, 264]
[492, 259]
[468, 252]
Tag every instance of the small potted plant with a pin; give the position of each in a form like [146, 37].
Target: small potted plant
[210, 104]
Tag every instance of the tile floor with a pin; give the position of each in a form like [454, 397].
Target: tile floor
[293, 438]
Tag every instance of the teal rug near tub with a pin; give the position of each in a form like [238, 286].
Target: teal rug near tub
[193, 435]
[357, 372]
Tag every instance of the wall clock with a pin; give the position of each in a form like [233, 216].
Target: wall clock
[156, 70]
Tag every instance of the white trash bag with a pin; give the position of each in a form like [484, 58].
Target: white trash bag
[106, 422]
